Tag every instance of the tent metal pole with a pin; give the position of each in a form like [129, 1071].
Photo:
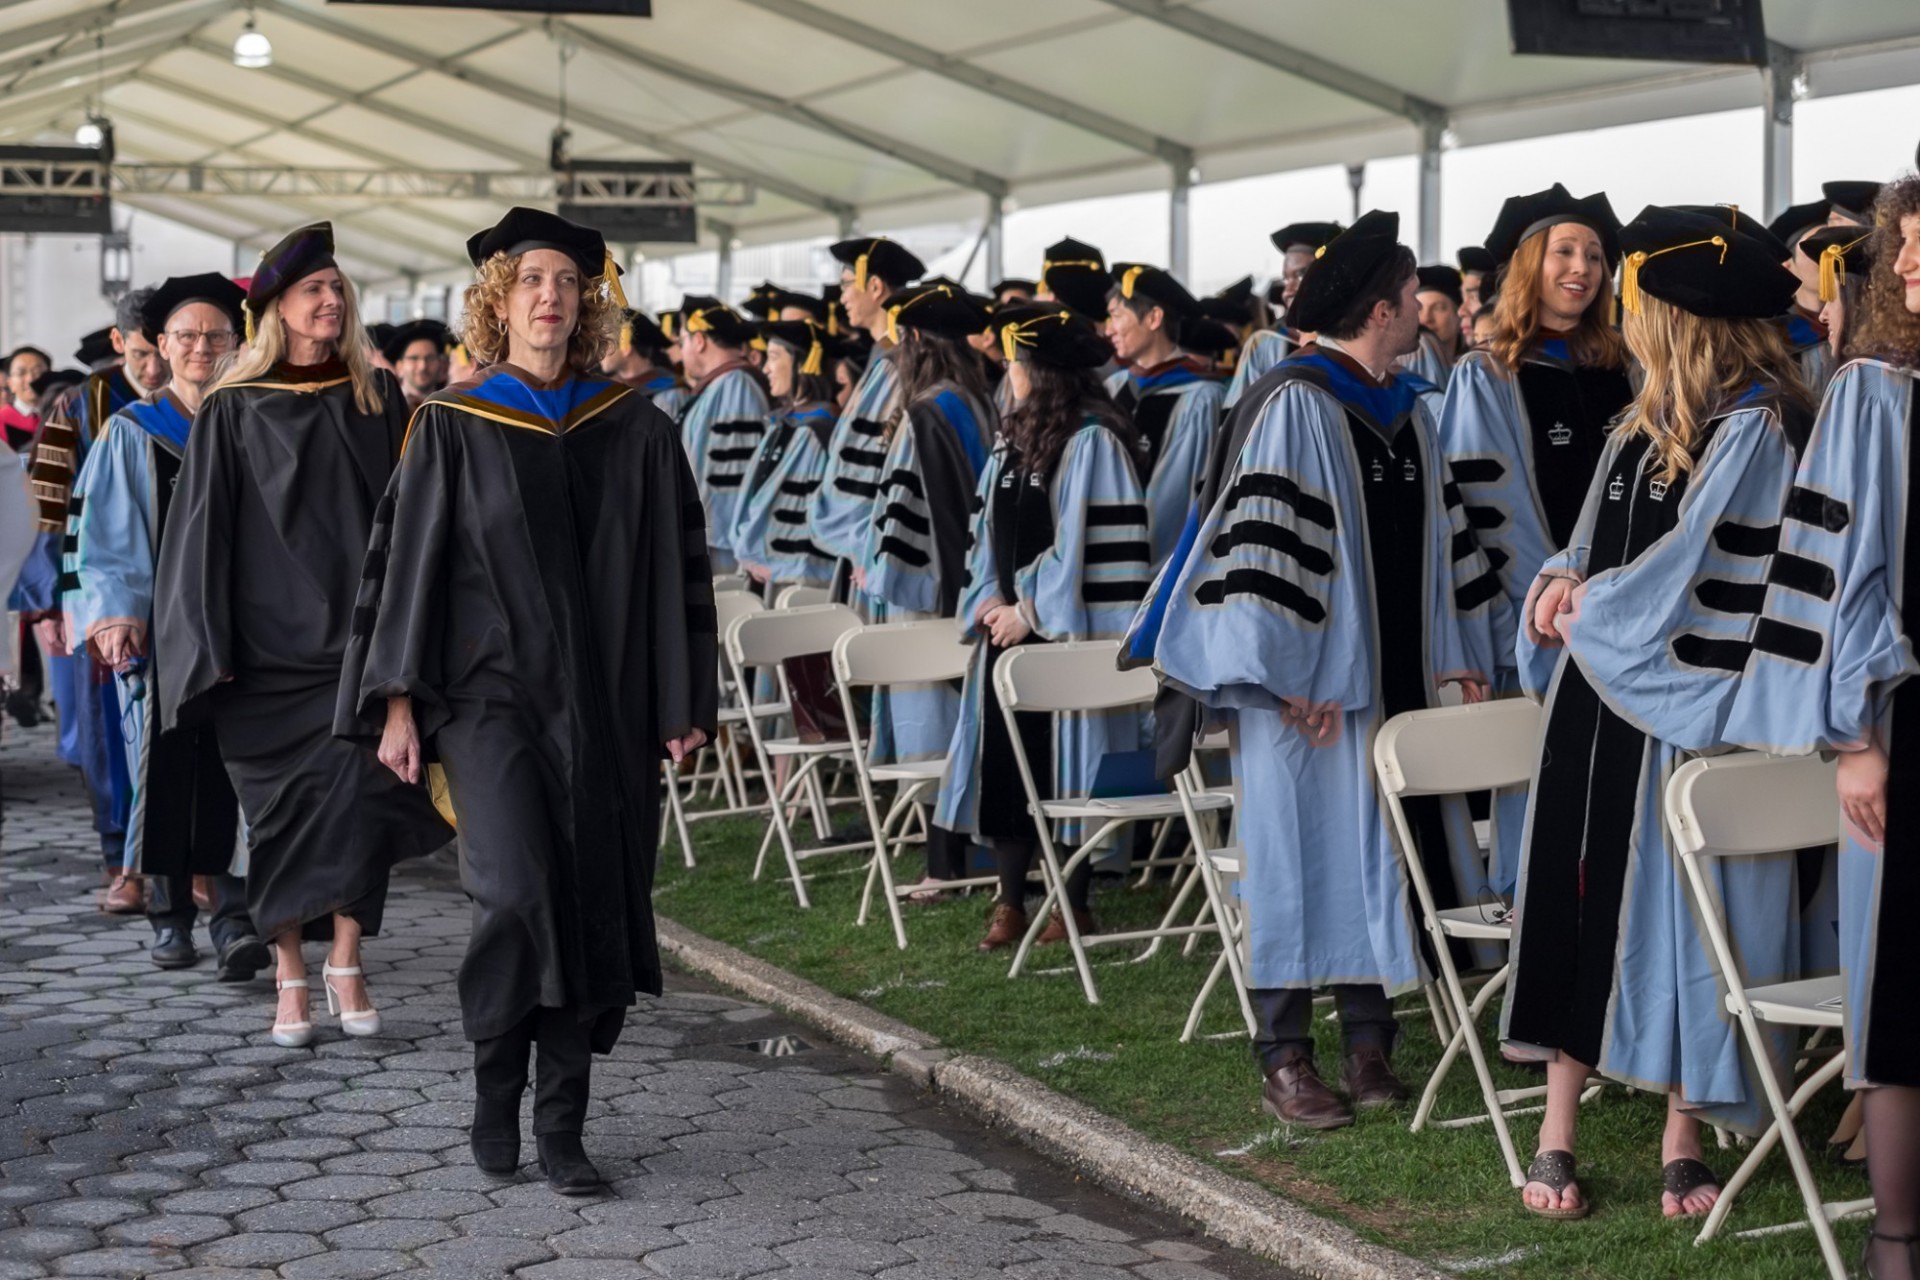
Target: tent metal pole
[996, 239]
[1431, 131]
[1179, 227]
[1777, 79]
[723, 277]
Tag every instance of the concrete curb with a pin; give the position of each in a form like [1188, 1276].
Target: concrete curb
[1110, 1153]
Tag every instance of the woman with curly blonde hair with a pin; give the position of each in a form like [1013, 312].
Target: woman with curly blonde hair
[535, 627]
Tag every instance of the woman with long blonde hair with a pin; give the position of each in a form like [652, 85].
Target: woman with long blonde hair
[257, 575]
[1637, 636]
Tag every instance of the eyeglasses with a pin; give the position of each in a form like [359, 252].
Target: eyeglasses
[215, 339]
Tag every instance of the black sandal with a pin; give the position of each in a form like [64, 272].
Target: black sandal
[1681, 1178]
[1555, 1171]
[1866, 1253]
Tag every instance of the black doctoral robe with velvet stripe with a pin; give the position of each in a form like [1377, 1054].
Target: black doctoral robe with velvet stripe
[538, 584]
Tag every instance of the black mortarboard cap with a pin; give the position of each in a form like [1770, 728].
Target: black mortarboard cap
[804, 338]
[1800, 219]
[299, 254]
[701, 314]
[816, 308]
[1475, 260]
[1524, 216]
[1205, 335]
[1052, 334]
[177, 291]
[1342, 267]
[669, 322]
[1699, 263]
[524, 230]
[1305, 235]
[54, 381]
[1136, 280]
[638, 333]
[1075, 273]
[760, 300]
[405, 335]
[936, 306]
[1838, 252]
[878, 256]
[1852, 199]
[96, 347]
[1014, 284]
[1441, 279]
[1745, 223]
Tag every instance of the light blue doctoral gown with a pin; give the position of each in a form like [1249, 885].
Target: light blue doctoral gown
[842, 507]
[721, 428]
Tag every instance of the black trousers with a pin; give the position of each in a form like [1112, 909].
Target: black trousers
[1285, 1018]
[1013, 860]
[946, 853]
[565, 1066]
[170, 902]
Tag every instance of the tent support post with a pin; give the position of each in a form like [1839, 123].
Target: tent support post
[1179, 227]
[996, 239]
[1777, 79]
[723, 276]
[1432, 129]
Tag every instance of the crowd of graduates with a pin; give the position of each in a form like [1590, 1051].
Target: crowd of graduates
[310, 592]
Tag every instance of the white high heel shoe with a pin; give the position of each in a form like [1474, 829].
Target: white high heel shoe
[362, 1022]
[292, 1035]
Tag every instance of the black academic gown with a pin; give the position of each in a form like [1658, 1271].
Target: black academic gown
[538, 584]
[253, 602]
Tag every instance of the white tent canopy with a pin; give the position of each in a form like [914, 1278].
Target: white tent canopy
[827, 114]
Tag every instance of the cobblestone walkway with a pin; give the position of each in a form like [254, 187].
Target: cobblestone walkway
[147, 1126]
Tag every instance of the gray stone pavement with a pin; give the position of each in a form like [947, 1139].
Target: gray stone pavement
[148, 1127]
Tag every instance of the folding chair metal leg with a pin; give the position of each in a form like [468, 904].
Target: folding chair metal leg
[1173, 910]
[882, 864]
[1056, 894]
[676, 808]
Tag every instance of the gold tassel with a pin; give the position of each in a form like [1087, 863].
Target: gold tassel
[1320, 253]
[1630, 282]
[812, 367]
[610, 272]
[666, 326]
[460, 353]
[860, 270]
[696, 321]
[1127, 281]
[626, 338]
[893, 324]
[1833, 272]
[833, 322]
[1010, 342]
[246, 313]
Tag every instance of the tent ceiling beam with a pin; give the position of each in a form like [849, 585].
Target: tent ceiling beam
[74, 26]
[598, 121]
[120, 39]
[933, 162]
[828, 22]
[1282, 57]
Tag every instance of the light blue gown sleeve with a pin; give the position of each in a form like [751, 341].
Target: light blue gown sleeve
[1470, 614]
[1087, 585]
[792, 553]
[1271, 605]
[1483, 431]
[1183, 460]
[1263, 351]
[731, 419]
[1831, 648]
[842, 508]
[982, 582]
[1665, 638]
[748, 537]
[113, 557]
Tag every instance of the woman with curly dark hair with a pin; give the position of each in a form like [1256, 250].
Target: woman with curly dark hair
[1844, 685]
[1060, 552]
[536, 616]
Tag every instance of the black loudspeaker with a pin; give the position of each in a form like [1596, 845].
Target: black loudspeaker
[614, 8]
[54, 189]
[1657, 30]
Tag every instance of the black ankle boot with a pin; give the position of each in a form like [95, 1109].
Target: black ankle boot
[565, 1163]
[496, 1135]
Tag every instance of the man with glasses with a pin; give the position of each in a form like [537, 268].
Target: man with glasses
[417, 351]
[185, 818]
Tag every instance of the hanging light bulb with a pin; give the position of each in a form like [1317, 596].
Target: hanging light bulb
[92, 131]
[251, 49]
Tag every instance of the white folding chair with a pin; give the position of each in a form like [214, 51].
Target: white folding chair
[1080, 676]
[725, 770]
[1221, 871]
[888, 655]
[766, 640]
[799, 597]
[1449, 751]
[1742, 805]
[731, 582]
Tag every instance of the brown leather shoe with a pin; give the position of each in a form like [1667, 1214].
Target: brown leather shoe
[121, 894]
[1296, 1094]
[203, 893]
[1056, 930]
[1369, 1080]
[1006, 928]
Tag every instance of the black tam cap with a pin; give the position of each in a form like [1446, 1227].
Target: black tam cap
[1745, 223]
[669, 321]
[1441, 279]
[1137, 281]
[937, 306]
[1800, 219]
[1204, 335]
[760, 300]
[816, 308]
[1343, 267]
[1305, 235]
[700, 314]
[1075, 273]
[878, 256]
[524, 230]
[405, 335]
[1701, 264]
[807, 341]
[378, 333]
[96, 347]
[1524, 216]
[1475, 260]
[54, 381]
[1013, 284]
[298, 255]
[1838, 252]
[1051, 334]
[638, 333]
[1852, 200]
[177, 291]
